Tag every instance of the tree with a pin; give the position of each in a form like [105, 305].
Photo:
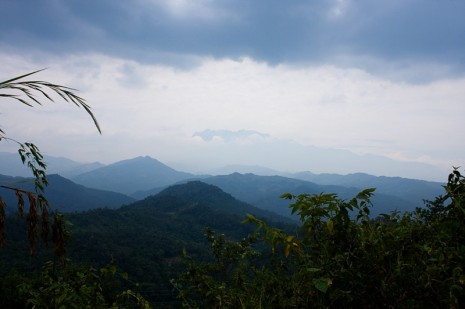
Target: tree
[340, 258]
[77, 288]
[27, 92]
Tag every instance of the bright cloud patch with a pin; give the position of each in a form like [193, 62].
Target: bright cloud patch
[155, 110]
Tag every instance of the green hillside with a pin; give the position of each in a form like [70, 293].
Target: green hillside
[145, 238]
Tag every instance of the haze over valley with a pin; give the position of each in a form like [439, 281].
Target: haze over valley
[140, 177]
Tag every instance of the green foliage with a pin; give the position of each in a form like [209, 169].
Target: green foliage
[145, 238]
[207, 284]
[52, 288]
[73, 287]
[64, 289]
[340, 258]
[26, 92]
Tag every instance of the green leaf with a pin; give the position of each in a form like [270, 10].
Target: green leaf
[287, 196]
[287, 250]
[321, 284]
[330, 226]
[250, 219]
[124, 275]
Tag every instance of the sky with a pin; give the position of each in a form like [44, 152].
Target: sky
[205, 83]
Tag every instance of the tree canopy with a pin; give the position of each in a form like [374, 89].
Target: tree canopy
[340, 258]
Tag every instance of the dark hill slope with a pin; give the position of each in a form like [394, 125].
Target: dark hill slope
[146, 238]
[64, 195]
[214, 197]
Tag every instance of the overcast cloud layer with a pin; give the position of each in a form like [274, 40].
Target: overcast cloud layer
[373, 77]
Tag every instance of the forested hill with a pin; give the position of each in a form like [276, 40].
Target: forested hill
[214, 197]
[146, 238]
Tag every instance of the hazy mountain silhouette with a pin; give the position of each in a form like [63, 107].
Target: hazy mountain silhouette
[63, 194]
[128, 176]
[143, 176]
[264, 192]
[11, 165]
[244, 169]
[412, 190]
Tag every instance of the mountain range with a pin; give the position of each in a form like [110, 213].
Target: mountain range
[140, 177]
[145, 234]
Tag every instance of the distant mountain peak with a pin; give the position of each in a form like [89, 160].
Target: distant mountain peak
[131, 175]
[137, 159]
[244, 169]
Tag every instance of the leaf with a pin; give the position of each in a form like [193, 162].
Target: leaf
[16, 78]
[330, 226]
[125, 276]
[287, 196]
[250, 217]
[28, 91]
[287, 250]
[321, 284]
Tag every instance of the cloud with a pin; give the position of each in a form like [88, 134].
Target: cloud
[395, 33]
[384, 78]
[338, 8]
[156, 109]
[244, 136]
[207, 10]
